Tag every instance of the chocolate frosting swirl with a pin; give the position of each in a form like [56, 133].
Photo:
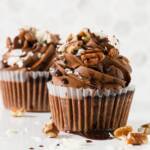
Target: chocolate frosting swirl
[88, 60]
[30, 50]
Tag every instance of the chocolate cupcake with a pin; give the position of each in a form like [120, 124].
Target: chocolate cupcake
[24, 69]
[89, 93]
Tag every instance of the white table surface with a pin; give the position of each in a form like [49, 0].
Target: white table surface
[23, 133]
[129, 20]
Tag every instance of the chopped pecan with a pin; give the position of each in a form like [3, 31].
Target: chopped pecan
[113, 52]
[29, 36]
[145, 128]
[73, 47]
[122, 131]
[92, 57]
[137, 138]
[15, 112]
[50, 129]
[85, 35]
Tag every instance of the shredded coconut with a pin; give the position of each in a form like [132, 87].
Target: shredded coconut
[68, 71]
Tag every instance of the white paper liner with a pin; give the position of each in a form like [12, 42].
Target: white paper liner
[82, 110]
[61, 91]
[22, 76]
[26, 90]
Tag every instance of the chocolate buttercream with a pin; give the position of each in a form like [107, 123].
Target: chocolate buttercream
[30, 50]
[89, 60]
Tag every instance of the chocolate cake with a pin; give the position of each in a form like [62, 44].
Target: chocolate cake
[90, 90]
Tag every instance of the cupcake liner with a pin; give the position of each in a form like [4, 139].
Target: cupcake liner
[25, 90]
[86, 110]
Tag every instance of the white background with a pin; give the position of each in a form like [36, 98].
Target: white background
[129, 20]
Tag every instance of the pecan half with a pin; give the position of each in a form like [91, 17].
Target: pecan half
[92, 57]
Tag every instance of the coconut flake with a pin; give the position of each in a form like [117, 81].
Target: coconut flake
[20, 63]
[81, 50]
[12, 60]
[17, 53]
[62, 48]
[44, 36]
[68, 71]
[52, 70]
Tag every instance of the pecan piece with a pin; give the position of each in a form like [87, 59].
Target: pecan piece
[17, 112]
[145, 128]
[113, 52]
[122, 131]
[137, 138]
[85, 35]
[50, 129]
[92, 57]
[73, 47]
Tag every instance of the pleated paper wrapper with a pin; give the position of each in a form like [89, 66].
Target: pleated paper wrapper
[25, 90]
[87, 110]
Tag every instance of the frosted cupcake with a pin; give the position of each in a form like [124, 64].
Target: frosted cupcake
[89, 93]
[24, 71]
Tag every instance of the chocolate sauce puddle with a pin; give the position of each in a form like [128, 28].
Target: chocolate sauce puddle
[96, 135]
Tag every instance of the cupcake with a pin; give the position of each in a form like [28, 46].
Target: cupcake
[90, 92]
[24, 70]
